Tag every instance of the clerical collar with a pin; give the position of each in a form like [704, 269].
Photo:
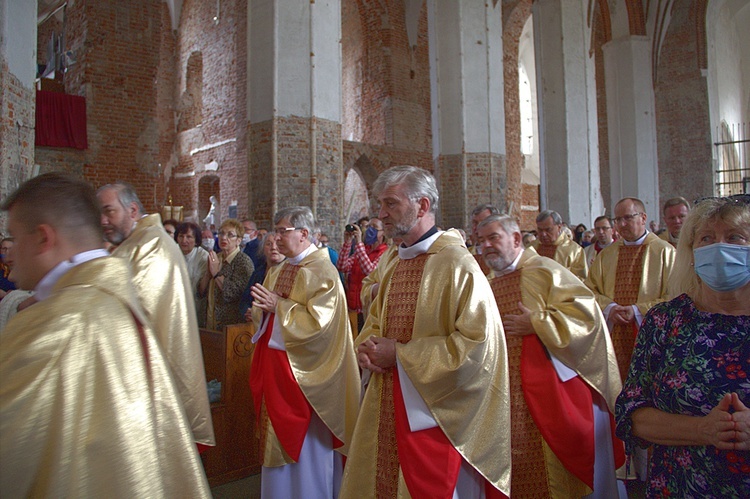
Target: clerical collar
[296, 259]
[637, 242]
[421, 246]
[43, 289]
[510, 268]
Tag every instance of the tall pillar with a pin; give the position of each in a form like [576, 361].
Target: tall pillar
[294, 108]
[466, 53]
[633, 162]
[566, 93]
[17, 104]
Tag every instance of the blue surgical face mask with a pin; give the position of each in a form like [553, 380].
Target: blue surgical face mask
[208, 244]
[722, 266]
[371, 236]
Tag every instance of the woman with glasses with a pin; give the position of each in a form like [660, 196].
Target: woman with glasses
[687, 389]
[226, 276]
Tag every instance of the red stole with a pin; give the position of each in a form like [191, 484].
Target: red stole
[277, 396]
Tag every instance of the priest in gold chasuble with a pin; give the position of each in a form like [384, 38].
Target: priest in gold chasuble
[629, 277]
[88, 407]
[162, 283]
[434, 420]
[304, 375]
[563, 373]
[553, 243]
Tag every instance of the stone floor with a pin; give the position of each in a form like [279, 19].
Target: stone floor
[247, 488]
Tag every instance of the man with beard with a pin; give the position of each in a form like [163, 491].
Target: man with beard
[434, 418]
[304, 376]
[562, 367]
[162, 283]
[554, 243]
[88, 405]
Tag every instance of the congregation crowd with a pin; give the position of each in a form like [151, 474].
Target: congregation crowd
[411, 361]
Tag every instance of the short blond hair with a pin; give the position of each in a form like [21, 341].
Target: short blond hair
[733, 213]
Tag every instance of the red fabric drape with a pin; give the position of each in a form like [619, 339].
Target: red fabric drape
[60, 120]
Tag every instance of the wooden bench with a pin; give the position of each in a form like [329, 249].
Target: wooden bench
[227, 355]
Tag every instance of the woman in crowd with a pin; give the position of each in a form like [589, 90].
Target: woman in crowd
[578, 233]
[272, 258]
[687, 388]
[226, 276]
[188, 237]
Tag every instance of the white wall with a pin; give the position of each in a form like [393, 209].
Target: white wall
[18, 38]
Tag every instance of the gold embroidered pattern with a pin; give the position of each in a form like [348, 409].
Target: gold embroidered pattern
[529, 473]
[627, 284]
[401, 309]
[286, 278]
[547, 250]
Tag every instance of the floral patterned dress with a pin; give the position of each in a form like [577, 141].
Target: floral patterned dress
[685, 360]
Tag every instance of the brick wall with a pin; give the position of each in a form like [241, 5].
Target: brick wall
[682, 119]
[16, 134]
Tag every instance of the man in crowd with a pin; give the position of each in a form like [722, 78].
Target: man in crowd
[359, 263]
[553, 243]
[563, 373]
[603, 231]
[304, 377]
[163, 286]
[478, 214]
[675, 212]
[628, 278]
[251, 242]
[88, 405]
[434, 350]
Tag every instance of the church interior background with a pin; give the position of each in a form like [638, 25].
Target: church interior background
[547, 104]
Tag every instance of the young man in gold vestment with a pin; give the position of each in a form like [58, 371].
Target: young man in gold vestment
[434, 420]
[88, 407]
[563, 373]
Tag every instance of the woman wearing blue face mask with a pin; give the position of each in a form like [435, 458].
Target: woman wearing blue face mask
[688, 386]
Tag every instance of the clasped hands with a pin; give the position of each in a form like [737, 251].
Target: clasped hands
[264, 298]
[729, 431]
[622, 314]
[377, 354]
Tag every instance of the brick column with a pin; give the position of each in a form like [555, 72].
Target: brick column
[294, 107]
[631, 119]
[466, 52]
[17, 73]
[566, 90]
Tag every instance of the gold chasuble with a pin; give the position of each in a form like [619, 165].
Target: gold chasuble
[631, 275]
[452, 347]
[88, 407]
[162, 282]
[570, 325]
[312, 315]
[566, 252]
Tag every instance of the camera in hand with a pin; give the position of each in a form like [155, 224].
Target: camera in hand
[349, 228]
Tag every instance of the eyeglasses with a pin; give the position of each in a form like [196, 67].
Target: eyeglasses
[228, 235]
[280, 231]
[626, 218]
[734, 199]
[604, 229]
